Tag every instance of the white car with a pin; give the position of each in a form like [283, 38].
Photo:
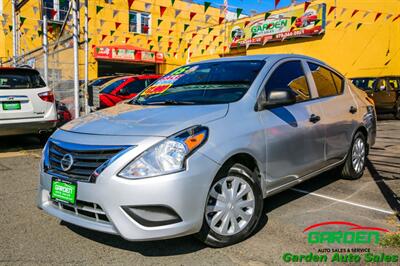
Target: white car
[27, 105]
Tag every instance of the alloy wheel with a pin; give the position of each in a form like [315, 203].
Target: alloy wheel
[230, 206]
[358, 155]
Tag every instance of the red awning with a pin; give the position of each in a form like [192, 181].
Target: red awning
[127, 53]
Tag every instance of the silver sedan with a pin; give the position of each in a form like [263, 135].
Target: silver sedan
[199, 149]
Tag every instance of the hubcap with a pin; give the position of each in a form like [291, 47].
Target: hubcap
[230, 205]
[358, 155]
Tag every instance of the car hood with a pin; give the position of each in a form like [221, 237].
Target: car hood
[139, 120]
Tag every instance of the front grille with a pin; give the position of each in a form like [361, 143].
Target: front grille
[86, 159]
[87, 210]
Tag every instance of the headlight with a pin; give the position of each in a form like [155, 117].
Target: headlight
[168, 156]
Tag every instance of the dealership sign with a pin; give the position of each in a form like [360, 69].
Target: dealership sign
[292, 24]
[127, 53]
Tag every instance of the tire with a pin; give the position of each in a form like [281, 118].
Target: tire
[357, 153]
[247, 182]
[397, 109]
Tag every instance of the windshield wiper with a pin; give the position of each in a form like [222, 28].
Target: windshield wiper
[171, 102]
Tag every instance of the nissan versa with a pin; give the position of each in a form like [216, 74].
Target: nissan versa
[198, 150]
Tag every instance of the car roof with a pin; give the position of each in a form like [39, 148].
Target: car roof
[265, 57]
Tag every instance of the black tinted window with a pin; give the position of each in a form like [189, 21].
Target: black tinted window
[135, 86]
[112, 85]
[290, 76]
[327, 82]
[20, 79]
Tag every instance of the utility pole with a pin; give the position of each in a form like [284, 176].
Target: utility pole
[14, 29]
[76, 55]
[45, 50]
[86, 93]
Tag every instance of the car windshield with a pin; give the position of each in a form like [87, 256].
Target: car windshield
[112, 85]
[100, 81]
[206, 83]
[365, 83]
[20, 79]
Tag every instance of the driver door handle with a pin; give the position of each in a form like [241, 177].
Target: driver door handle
[314, 118]
[353, 110]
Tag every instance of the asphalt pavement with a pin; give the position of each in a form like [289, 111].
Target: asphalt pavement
[29, 236]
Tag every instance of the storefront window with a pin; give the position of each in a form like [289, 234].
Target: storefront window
[139, 22]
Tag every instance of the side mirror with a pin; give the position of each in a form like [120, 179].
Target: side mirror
[278, 97]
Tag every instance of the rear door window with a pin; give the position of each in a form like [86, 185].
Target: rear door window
[20, 79]
[328, 83]
[290, 76]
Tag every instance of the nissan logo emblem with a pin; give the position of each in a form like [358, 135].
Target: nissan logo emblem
[66, 162]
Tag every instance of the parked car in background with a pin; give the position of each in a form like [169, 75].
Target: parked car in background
[63, 113]
[27, 105]
[199, 149]
[385, 91]
[122, 88]
[95, 83]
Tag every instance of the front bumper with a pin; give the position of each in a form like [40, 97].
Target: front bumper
[184, 192]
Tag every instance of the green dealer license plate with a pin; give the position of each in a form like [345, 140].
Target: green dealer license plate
[64, 191]
[11, 106]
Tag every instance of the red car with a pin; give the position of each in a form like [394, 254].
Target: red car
[123, 88]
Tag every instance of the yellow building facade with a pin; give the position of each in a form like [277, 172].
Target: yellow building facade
[359, 38]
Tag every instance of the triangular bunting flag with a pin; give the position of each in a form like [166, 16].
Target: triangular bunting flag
[338, 23]
[130, 2]
[396, 18]
[170, 32]
[53, 13]
[292, 20]
[277, 3]
[355, 11]
[191, 15]
[151, 47]
[35, 9]
[103, 37]
[10, 27]
[148, 41]
[210, 30]
[177, 12]
[127, 39]
[89, 39]
[306, 5]
[194, 35]
[115, 13]
[214, 37]
[159, 38]
[377, 16]
[348, 24]
[206, 6]
[99, 8]
[388, 16]
[185, 26]
[331, 9]
[246, 23]
[359, 25]
[112, 32]
[117, 24]
[366, 14]
[172, 2]
[317, 21]
[162, 10]
[159, 22]
[173, 24]
[115, 39]
[343, 11]
[220, 19]
[40, 32]
[207, 18]
[22, 20]
[102, 21]
[238, 12]
[267, 15]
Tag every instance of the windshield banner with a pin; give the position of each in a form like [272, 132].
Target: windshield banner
[296, 23]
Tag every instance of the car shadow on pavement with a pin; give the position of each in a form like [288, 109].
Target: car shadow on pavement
[169, 247]
[390, 196]
[19, 143]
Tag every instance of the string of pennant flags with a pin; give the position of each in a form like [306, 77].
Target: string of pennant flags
[195, 34]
